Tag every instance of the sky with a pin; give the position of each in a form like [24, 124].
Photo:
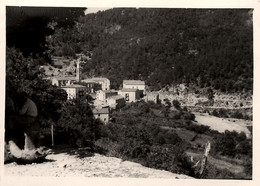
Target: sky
[95, 10]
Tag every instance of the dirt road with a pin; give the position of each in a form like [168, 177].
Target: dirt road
[63, 165]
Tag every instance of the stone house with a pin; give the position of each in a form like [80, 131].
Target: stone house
[134, 84]
[104, 82]
[130, 94]
[102, 114]
[102, 95]
[75, 91]
[116, 102]
[63, 80]
[92, 86]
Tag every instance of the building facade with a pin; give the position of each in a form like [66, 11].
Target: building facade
[104, 82]
[102, 95]
[75, 91]
[136, 84]
[102, 114]
[152, 97]
[130, 95]
[63, 80]
[116, 102]
[92, 86]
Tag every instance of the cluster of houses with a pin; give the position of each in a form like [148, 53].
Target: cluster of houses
[99, 88]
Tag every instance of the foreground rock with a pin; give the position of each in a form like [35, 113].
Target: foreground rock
[63, 164]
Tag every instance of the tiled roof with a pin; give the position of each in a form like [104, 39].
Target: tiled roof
[128, 90]
[99, 79]
[65, 77]
[133, 82]
[73, 86]
[88, 81]
[95, 79]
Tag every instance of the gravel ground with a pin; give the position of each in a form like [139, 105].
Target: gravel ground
[63, 165]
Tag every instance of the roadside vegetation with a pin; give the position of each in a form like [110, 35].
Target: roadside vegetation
[233, 113]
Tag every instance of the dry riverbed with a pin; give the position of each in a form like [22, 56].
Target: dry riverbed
[222, 124]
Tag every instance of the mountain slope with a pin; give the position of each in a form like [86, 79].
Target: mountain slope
[211, 48]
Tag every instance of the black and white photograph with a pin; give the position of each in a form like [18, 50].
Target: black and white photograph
[129, 92]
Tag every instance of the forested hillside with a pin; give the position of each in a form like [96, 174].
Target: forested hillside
[165, 46]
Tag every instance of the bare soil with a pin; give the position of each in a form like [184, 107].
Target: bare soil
[64, 164]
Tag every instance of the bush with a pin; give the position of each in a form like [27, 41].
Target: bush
[169, 157]
[237, 115]
[215, 113]
[201, 129]
[187, 116]
[107, 147]
[223, 113]
[77, 124]
[234, 144]
[176, 104]
[212, 172]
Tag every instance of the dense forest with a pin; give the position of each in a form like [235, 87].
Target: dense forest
[205, 47]
[209, 48]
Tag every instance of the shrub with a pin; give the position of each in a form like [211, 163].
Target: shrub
[234, 144]
[212, 172]
[169, 157]
[215, 113]
[107, 147]
[77, 124]
[176, 104]
[237, 115]
[201, 129]
[223, 113]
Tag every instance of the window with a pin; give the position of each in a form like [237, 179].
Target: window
[127, 97]
[81, 93]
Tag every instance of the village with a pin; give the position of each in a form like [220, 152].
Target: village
[66, 74]
[98, 88]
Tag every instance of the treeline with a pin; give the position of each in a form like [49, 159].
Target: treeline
[28, 27]
[211, 48]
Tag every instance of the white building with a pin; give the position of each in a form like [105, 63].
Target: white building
[102, 95]
[92, 86]
[130, 94]
[75, 91]
[136, 84]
